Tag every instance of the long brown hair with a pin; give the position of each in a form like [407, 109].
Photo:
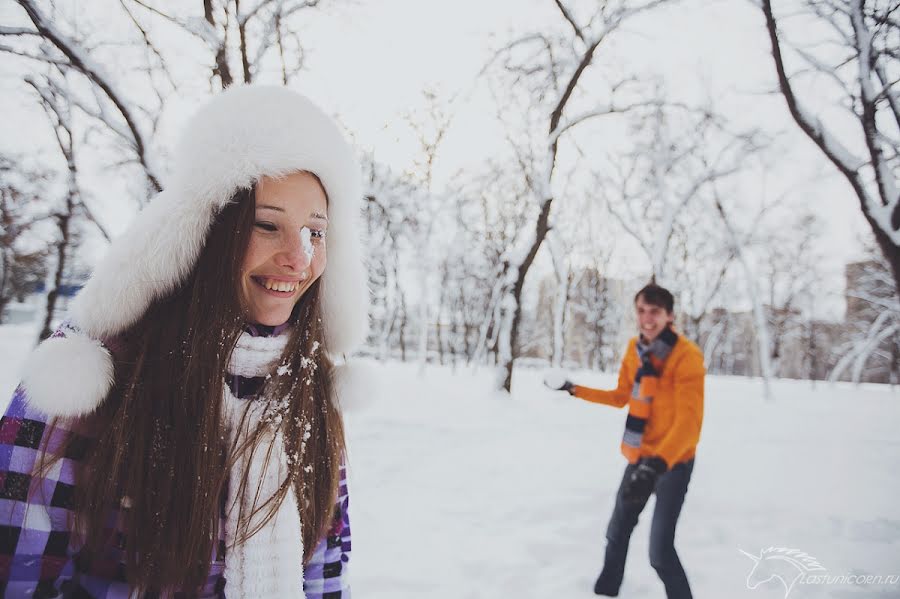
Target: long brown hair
[158, 452]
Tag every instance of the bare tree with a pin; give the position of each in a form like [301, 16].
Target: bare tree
[430, 128]
[560, 255]
[792, 278]
[107, 104]
[240, 36]
[53, 94]
[389, 214]
[569, 234]
[873, 322]
[598, 312]
[703, 262]
[486, 212]
[23, 197]
[548, 69]
[860, 56]
[752, 286]
[678, 154]
[491, 210]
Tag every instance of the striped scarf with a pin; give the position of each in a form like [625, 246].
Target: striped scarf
[652, 357]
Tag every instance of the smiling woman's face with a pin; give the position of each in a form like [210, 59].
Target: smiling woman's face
[286, 253]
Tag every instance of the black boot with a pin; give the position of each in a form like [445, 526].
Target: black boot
[606, 587]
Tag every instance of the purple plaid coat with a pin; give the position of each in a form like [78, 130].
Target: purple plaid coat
[39, 552]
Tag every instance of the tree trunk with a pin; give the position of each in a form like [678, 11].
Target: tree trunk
[61, 248]
[541, 229]
[891, 252]
[827, 142]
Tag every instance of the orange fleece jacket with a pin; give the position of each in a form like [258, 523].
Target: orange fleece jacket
[676, 415]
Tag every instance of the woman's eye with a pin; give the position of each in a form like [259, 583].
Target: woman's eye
[317, 234]
[265, 226]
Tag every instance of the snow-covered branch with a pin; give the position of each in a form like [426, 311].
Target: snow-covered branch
[811, 125]
[39, 57]
[887, 90]
[884, 176]
[149, 44]
[17, 31]
[199, 27]
[886, 303]
[603, 110]
[880, 329]
[628, 225]
[80, 61]
[284, 8]
[560, 106]
[762, 328]
[879, 202]
[568, 17]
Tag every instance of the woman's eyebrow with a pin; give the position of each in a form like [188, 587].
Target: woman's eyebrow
[317, 215]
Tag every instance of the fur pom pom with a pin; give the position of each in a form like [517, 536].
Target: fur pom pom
[355, 383]
[68, 376]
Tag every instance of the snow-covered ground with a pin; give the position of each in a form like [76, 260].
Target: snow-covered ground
[457, 492]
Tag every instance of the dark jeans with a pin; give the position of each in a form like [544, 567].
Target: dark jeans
[670, 490]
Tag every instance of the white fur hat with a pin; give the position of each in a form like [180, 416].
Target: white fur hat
[241, 135]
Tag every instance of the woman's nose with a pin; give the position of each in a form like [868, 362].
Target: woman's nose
[296, 254]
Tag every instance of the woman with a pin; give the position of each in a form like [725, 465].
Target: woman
[178, 437]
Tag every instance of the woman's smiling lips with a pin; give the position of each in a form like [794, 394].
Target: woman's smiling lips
[277, 286]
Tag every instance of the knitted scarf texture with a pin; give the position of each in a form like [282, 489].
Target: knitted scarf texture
[652, 357]
[269, 563]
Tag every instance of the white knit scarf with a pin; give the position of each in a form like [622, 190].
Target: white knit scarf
[269, 563]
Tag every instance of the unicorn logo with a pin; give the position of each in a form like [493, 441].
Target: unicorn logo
[782, 564]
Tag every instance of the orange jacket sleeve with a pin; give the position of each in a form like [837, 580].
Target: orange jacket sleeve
[617, 397]
[685, 430]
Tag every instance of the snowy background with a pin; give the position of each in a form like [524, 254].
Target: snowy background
[506, 185]
[460, 492]
[689, 167]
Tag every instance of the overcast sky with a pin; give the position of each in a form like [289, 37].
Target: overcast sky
[382, 54]
[369, 61]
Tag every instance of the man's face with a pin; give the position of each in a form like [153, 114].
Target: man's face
[652, 319]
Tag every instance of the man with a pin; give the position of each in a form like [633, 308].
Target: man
[661, 380]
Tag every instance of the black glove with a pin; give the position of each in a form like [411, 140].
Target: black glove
[559, 385]
[640, 484]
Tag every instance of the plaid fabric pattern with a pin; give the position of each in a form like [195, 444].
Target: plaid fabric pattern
[326, 573]
[39, 553]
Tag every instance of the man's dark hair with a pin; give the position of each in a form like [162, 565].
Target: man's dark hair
[655, 295]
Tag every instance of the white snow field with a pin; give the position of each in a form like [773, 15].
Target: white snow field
[459, 492]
